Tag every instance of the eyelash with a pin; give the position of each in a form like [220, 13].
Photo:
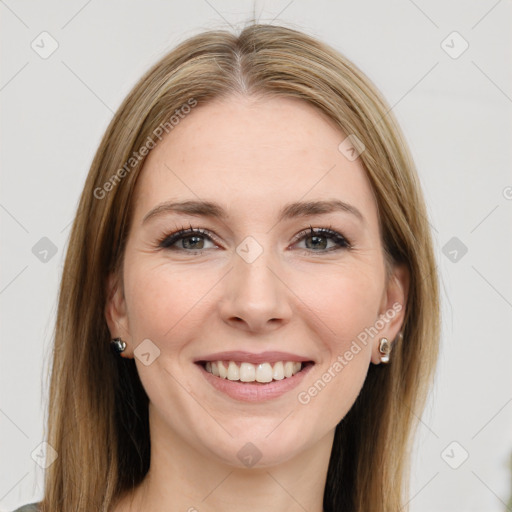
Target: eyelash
[167, 241]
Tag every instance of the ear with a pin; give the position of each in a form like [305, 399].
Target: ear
[392, 308]
[116, 313]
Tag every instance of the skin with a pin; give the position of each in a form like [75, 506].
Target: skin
[252, 156]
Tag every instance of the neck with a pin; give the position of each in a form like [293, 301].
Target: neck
[182, 479]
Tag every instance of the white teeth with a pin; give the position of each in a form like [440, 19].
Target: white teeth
[278, 373]
[248, 372]
[264, 372]
[233, 371]
[223, 372]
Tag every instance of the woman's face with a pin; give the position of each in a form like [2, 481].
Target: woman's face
[287, 272]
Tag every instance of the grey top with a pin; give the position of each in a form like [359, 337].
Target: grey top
[33, 507]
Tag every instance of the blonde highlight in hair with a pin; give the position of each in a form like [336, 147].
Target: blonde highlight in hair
[98, 419]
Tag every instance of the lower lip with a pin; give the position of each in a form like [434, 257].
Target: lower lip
[255, 392]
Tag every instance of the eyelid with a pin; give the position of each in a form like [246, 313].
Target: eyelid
[183, 232]
[341, 241]
[324, 232]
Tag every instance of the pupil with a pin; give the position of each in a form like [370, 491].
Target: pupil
[187, 242]
[316, 240]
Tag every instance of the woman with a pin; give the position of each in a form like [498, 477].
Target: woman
[252, 242]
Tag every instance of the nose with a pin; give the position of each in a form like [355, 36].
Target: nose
[255, 296]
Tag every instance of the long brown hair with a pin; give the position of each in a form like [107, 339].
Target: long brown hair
[98, 411]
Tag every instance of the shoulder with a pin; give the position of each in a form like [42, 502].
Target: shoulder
[32, 507]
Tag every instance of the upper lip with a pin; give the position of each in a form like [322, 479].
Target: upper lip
[249, 357]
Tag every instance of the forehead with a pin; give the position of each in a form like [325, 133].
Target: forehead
[253, 155]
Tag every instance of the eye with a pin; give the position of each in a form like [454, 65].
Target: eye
[186, 240]
[319, 240]
[322, 240]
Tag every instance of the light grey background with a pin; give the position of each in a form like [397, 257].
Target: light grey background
[455, 112]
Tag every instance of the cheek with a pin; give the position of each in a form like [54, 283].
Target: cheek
[162, 300]
[348, 304]
[347, 301]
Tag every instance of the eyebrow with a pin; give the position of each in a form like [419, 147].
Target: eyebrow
[289, 211]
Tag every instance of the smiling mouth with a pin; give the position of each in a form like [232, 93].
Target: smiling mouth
[263, 373]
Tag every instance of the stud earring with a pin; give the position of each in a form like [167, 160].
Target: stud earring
[384, 349]
[118, 345]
